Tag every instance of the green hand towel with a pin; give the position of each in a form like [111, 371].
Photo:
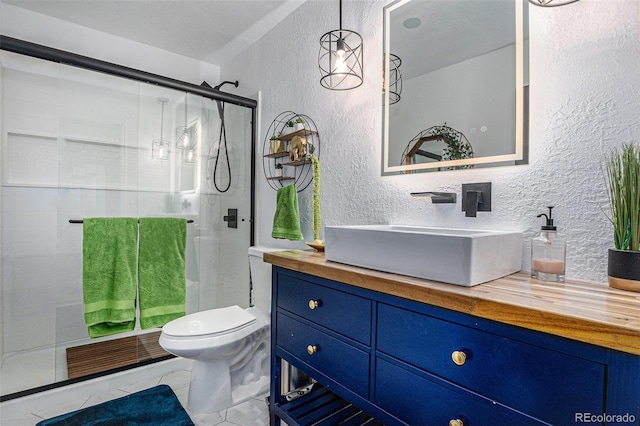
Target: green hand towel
[286, 222]
[109, 274]
[161, 274]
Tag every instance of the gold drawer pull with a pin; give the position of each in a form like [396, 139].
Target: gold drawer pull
[313, 304]
[456, 422]
[459, 358]
[312, 349]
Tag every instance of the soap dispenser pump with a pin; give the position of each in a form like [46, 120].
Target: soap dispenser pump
[548, 252]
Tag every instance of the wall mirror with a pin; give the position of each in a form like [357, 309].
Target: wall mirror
[455, 87]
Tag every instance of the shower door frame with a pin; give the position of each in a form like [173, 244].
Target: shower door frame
[38, 51]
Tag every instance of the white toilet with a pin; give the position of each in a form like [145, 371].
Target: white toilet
[230, 346]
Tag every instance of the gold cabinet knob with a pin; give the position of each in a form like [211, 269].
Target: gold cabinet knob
[456, 422]
[313, 304]
[459, 358]
[312, 349]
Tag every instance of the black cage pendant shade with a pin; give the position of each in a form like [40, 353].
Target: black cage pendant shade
[340, 59]
[551, 3]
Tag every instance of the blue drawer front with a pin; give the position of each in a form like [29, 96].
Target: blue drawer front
[341, 312]
[345, 364]
[546, 384]
[421, 401]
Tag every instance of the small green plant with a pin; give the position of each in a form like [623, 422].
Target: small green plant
[623, 172]
[279, 166]
[299, 120]
[273, 138]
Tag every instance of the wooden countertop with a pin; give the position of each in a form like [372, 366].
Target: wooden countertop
[580, 310]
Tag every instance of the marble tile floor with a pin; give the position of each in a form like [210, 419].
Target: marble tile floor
[253, 412]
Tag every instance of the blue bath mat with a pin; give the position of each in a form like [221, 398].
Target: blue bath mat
[157, 406]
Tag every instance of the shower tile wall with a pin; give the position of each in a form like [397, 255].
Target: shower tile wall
[29, 236]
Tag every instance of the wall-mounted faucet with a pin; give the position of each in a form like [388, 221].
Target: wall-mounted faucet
[476, 197]
[437, 197]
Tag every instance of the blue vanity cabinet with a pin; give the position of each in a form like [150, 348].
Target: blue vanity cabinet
[402, 362]
[545, 383]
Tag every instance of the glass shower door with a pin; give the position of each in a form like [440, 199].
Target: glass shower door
[77, 144]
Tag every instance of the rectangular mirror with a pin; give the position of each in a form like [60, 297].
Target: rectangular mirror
[455, 88]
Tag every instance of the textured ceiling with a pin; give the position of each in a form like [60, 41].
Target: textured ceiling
[213, 31]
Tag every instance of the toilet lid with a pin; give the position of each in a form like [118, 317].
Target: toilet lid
[211, 322]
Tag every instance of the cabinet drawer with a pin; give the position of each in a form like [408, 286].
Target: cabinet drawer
[546, 384]
[423, 400]
[342, 362]
[341, 312]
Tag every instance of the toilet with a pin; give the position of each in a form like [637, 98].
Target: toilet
[230, 346]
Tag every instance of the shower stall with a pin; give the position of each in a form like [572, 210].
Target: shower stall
[82, 141]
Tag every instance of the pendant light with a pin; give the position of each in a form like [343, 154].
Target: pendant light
[160, 148]
[395, 79]
[190, 155]
[186, 135]
[551, 3]
[340, 59]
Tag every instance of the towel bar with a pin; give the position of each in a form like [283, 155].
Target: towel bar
[81, 221]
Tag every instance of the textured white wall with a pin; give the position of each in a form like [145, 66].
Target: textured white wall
[585, 91]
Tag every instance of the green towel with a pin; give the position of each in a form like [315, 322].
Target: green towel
[109, 274]
[161, 275]
[286, 222]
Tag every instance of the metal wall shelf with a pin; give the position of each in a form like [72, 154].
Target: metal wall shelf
[277, 170]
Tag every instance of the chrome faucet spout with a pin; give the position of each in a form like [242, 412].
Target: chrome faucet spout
[437, 197]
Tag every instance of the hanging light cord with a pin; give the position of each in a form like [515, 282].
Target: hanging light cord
[161, 121]
[222, 139]
[185, 112]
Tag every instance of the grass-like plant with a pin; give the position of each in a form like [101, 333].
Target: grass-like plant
[315, 199]
[623, 172]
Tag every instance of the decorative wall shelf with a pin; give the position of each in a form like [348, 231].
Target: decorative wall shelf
[296, 168]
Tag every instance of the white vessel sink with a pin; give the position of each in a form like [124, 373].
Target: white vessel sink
[464, 257]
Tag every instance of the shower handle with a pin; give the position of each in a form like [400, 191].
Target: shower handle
[231, 218]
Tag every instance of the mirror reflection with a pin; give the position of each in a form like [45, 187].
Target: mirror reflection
[454, 92]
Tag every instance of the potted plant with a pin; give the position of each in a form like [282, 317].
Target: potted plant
[288, 128]
[280, 167]
[298, 124]
[623, 172]
[275, 144]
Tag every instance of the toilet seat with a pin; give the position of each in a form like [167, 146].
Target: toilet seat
[214, 322]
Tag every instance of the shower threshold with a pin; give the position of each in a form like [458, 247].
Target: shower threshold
[92, 358]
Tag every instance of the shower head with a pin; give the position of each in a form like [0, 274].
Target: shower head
[235, 83]
[220, 103]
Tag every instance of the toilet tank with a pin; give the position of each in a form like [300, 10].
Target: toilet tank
[260, 278]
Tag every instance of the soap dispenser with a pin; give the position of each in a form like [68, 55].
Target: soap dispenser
[548, 252]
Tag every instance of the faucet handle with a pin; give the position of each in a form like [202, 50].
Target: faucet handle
[471, 200]
[476, 197]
